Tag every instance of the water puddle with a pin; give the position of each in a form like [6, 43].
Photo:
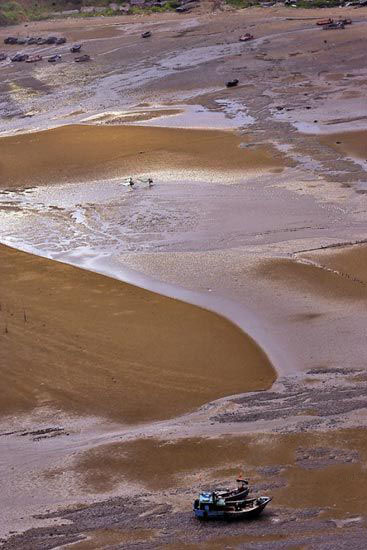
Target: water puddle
[93, 226]
[232, 114]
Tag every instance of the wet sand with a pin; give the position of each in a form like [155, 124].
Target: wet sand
[79, 153]
[306, 469]
[313, 279]
[347, 262]
[304, 472]
[102, 538]
[77, 341]
[353, 144]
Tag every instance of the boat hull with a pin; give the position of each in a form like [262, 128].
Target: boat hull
[226, 513]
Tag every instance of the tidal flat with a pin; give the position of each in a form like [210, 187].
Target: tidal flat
[155, 340]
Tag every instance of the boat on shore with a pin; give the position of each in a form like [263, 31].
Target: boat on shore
[233, 495]
[229, 504]
[209, 506]
[246, 37]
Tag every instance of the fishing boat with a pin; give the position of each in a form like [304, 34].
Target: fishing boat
[76, 48]
[233, 495]
[33, 59]
[246, 37]
[82, 58]
[334, 25]
[212, 506]
[229, 504]
[323, 22]
[232, 83]
[345, 20]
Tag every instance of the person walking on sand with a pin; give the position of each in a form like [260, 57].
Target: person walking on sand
[131, 182]
[150, 182]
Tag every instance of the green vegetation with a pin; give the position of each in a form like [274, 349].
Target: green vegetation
[168, 6]
[106, 13]
[11, 13]
[134, 10]
[37, 14]
[308, 4]
[242, 3]
[318, 3]
[14, 12]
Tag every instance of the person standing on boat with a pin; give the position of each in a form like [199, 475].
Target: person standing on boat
[242, 483]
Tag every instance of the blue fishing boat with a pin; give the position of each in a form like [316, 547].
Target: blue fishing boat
[212, 506]
[229, 504]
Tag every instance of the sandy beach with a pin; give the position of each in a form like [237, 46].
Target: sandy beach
[157, 340]
[96, 347]
[82, 153]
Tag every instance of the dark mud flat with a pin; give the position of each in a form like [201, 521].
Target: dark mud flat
[138, 524]
[37, 434]
[311, 460]
[325, 397]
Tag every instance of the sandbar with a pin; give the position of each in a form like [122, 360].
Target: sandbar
[78, 341]
[83, 152]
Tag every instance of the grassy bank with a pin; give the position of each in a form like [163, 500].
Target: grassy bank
[304, 4]
[12, 12]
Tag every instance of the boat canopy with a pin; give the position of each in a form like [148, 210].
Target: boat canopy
[206, 498]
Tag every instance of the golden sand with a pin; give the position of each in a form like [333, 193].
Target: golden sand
[352, 144]
[105, 467]
[218, 543]
[312, 279]
[84, 152]
[103, 538]
[78, 341]
[160, 464]
[350, 262]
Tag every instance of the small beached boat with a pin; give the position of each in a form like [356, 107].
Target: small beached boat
[10, 40]
[323, 22]
[246, 37]
[233, 495]
[34, 59]
[232, 83]
[19, 57]
[54, 58]
[229, 504]
[210, 506]
[334, 25]
[82, 58]
[76, 48]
